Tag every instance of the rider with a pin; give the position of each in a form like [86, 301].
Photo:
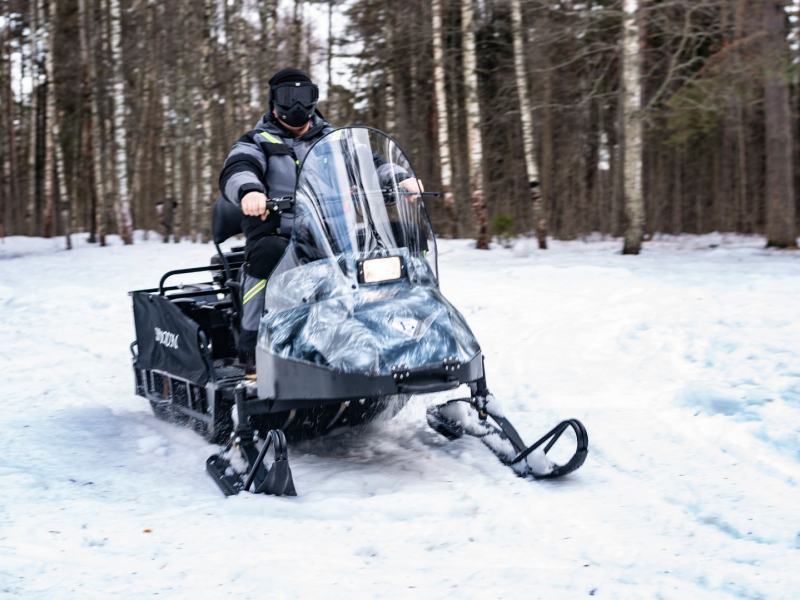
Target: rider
[263, 163]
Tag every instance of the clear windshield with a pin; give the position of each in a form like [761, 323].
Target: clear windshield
[356, 289]
[350, 185]
[350, 206]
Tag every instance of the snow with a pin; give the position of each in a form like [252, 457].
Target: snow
[683, 363]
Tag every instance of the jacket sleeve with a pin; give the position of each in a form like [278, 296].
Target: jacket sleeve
[388, 172]
[244, 170]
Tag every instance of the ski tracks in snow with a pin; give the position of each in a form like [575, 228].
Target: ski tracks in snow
[683, 364]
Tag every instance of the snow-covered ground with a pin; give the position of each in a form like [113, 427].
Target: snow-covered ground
[683, 363]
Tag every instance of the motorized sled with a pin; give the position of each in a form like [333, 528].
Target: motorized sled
[353, 324]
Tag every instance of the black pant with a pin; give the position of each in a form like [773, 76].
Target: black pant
[263, 254]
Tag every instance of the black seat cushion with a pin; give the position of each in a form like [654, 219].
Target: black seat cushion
[227, 220]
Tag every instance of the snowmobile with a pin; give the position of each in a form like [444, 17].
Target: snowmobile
[353, 324]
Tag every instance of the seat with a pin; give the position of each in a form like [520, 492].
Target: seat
[226, 222]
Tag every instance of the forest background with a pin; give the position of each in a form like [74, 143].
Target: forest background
[533, 117]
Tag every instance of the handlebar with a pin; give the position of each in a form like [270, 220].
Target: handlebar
[280, 204]
[390, 191]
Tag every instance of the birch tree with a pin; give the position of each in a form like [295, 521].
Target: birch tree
[297, 33]
[269, 43]
[532, 170]
[208, 84]
[245, 86]
[110, 203]
[234, 61]
[780, 202]
[390, 88]
[474, 138]
[47, 187]
[182, 116]
[8, 211]
[31, 214]
[168, 130]
[6, 124]
[329, 63]
[165, 136]
[632, 124]
[122, 199]
[443, 138]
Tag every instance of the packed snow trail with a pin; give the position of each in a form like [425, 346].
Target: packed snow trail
[683, 363]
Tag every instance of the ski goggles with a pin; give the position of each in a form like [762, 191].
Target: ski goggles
[288, 94]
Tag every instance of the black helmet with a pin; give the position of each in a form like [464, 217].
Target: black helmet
[293, 96]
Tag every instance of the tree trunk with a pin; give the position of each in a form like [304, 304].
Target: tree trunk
[632, 118]
[244, 69]
[677, 194]
[183, 116]
[55, 124]
[96, 142]
[167, 131]
[235, 92]
[7, 212]
[122, 199]
[31, 216]
[166, 151]
[548, 150]
[743, 219]
[205, 178]
[48, 140]
[443, 139]
[390, 88]
[781, 227]
[110, 205]
[531, 168]
[268, 12]
[329, 65]
[178, 189]
[269, 44]
[194, 215]
[474, 138]
[147, 113]
[88, 162]
[6, 90]
[297, 33]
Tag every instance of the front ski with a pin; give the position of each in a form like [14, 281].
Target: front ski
[240, 466]
[471, 416]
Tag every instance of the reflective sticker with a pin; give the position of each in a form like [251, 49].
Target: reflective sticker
[270, 138]
[407, 325]
[254, 291]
